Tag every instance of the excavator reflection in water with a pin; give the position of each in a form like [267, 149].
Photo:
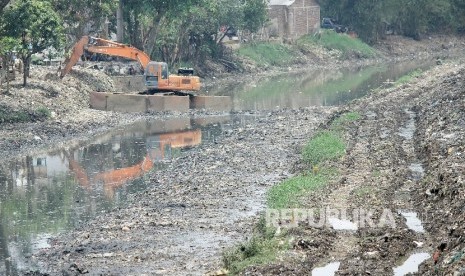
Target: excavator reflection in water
[156, 147]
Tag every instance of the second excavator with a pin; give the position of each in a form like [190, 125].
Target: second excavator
[156, 74]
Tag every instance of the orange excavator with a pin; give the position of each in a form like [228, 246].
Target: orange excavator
[156, 74]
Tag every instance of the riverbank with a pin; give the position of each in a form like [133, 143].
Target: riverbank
[206, 200]
[403, 165]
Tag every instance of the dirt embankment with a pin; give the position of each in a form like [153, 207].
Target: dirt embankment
[405, 155]
[408, 153]
[441, 147]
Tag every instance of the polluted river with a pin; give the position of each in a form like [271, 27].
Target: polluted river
[61, 189]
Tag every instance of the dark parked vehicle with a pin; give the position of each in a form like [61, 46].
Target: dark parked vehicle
[328, 23]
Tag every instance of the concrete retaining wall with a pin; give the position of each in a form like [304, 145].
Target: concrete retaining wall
[138, 103]
[145, 103]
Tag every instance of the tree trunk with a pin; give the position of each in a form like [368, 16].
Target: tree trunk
[119, 22]
[150, 40]
[26, 68]
[6, 66]
[137, 32]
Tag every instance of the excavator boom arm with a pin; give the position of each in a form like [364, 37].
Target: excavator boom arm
[102, 46]
[78, 51]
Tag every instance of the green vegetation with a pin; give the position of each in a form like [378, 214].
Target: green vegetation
[256, 251]
[22, 116]
[407, 78]
[344, 119]
[175, 31]
[179, 31]
[7, 116]
[265, 54]
[287, 193]
[35, 26]
[324, 146]
[43, 113]
[262, 248]
[334, 41]
[374, 20]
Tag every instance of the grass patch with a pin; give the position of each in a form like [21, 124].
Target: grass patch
[265, 54]
[7, 115]
[341, 42]
[344, 119]
[262, 248]
[43, 112]
[407, 78]
[287, 194]
[256, 251]
[325, 145]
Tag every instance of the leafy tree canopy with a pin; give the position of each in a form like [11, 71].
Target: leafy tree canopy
[35, 23]
[373, 19]
[82, 17]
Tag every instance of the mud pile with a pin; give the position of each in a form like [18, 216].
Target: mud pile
[441, 136]
[60, 96]
[63, 104]
[405, 155]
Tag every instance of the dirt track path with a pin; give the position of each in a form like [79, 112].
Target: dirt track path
[377, 169]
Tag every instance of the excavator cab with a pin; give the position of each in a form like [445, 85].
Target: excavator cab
[155, 73]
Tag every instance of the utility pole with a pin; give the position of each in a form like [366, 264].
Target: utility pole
[119, 22]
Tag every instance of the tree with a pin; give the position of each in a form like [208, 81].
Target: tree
[3, 4]
[36, 25]
[255, 14]
[7, 46]
[83, 17]
[413, 18]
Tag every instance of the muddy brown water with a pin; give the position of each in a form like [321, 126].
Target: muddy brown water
[52, 192]
[315, 87]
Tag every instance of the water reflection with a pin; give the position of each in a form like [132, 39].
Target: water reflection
[44, 194]
[314, 88]
[110, 166]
